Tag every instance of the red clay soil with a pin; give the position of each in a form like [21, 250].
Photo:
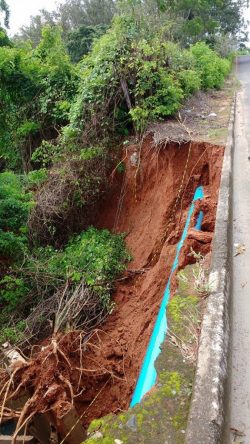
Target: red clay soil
[151, 206]
[143, 208]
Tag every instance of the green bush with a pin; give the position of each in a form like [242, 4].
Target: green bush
[46, 154]
[211, 67]
[97, 256]
[190, 81]
[165, 100]
[91, 152]
[14, 209]
[37, 177]
[177, 58]
[13, 214]
[12, 246]
[157, 92]
[12, 290]
[28, 128]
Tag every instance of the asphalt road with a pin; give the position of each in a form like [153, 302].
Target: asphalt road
[239, 387]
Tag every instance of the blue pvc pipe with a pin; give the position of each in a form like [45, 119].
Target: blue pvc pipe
[199, 221]
[148, 375]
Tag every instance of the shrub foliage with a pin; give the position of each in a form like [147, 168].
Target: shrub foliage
[14, 209]
[133, 78]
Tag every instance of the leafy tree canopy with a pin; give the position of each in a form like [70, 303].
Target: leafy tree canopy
[70, 15]
[79, 41]
[191, 20]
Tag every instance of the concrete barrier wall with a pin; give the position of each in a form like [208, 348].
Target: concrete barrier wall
[206, 415]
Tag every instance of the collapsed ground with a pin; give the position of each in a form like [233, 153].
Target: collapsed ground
[149, 203]
[148, 210]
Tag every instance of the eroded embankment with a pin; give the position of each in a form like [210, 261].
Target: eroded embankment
[151, 206]
[149, 202]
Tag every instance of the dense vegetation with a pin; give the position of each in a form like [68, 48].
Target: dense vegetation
[73, 85]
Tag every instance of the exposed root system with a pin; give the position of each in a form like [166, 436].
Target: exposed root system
[55, 376]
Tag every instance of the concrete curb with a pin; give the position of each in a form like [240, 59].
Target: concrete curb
[206, 414]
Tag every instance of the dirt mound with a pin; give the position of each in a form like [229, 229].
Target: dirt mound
[149, 203]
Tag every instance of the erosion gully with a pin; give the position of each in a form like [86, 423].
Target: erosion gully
[142, 204]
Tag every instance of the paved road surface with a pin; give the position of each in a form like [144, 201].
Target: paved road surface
[239, 391]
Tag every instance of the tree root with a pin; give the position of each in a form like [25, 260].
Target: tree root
[54, 378]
